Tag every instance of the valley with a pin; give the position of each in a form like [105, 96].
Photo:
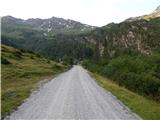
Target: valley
[123, 57]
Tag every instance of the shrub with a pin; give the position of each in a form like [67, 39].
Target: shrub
[38, 55]
[137, 73]
[4, 61]
[32, 57]
[18, 54]
[48, 61]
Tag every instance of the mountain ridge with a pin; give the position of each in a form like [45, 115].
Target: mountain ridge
[51, 24]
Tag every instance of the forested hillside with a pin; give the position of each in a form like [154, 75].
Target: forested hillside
[129, 54]
[56, 45]
[139, 36]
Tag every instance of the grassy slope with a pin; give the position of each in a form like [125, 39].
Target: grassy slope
[21, 75]
[146, 108]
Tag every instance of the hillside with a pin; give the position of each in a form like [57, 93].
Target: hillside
[129, 54]
[139, 36]
[21, 71]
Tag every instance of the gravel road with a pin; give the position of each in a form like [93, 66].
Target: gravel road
[72, 95]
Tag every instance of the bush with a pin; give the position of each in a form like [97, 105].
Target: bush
[18, 54]
[137, 73]
[4, 61]
[151, 85]
[38, 55]
[108, 70]
[32, 57]
[56, 67]
[48, 61]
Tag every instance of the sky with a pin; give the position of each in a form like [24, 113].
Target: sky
[92, 12]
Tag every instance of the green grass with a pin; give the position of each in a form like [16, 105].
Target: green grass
[144, 107]
[20, 73]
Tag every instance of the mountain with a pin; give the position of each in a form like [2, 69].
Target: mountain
[57, 24]
[50, 24]
[130, 36]
[56, 44]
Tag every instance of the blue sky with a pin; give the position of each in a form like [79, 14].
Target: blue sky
[92, 12]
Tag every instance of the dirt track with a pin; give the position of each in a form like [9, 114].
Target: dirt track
[72, 95]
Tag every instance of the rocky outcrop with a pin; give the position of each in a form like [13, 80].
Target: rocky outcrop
[139, 36]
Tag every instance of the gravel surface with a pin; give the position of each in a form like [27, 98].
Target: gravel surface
[72, 95]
